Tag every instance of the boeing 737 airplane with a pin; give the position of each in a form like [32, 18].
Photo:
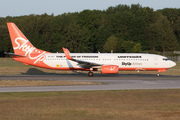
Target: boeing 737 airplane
[107, 63]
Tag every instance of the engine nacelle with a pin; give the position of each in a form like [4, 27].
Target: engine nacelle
[110, 69]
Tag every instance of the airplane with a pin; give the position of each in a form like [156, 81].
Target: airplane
[107, 63]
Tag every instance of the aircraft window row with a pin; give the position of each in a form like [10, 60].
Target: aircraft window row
[110, 59]
[132, 59]
[77, 56]
[60, 56]
[51, 56]
[55, 59]
[88, 59]
[129, 56]
[76, 59]
[89, 56]
[106, 59]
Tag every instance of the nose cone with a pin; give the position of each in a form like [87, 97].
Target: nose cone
[172, 64]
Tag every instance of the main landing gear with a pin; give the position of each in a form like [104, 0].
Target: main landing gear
[157, 74]
[90, 74]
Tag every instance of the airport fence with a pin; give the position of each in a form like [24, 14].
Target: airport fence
[172, 55]
[174, 58]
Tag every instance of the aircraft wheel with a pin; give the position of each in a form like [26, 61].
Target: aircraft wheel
[157, 74]
[90, 74]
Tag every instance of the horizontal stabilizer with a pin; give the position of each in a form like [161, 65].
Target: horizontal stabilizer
[12, 54]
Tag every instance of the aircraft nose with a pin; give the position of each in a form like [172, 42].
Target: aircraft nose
[173, 64]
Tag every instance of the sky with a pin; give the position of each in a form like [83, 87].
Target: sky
[58, 7]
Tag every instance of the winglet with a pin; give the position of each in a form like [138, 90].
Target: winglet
[66, 52]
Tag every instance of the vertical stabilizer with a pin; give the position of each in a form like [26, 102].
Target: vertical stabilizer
[23, 47]
[19, 41]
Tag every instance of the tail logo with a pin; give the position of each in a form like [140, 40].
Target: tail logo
[25, 46]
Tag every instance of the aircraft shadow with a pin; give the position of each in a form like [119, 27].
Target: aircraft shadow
[35, 71]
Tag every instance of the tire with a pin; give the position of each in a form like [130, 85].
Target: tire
[90, 74]
[157, 74]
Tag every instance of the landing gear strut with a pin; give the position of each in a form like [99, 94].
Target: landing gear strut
[90, 74]
[157, 74]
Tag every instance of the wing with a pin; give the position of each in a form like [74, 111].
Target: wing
[80, 62]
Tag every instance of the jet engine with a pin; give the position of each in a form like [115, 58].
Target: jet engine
[110, 69]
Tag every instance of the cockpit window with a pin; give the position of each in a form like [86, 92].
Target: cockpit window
[166, 59]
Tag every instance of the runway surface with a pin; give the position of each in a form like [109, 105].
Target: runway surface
[112, 82]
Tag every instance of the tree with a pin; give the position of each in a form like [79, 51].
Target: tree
[153, 36]
[90, 21]
[137, 25]
[101, 37]
[74, 39]
[57, 28]
[177, 29]
[134, 28]
[119, 23]
[160, 36]
[171, 14]
[111, 44]
[5, 42]
[117, 9]
[128, 46]
[137, 48]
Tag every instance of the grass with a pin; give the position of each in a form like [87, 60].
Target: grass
[15, 83]
[84, 105]
[10, 67]
[91, 105]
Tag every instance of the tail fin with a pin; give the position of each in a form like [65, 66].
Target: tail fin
[22, 46]
[19, 41]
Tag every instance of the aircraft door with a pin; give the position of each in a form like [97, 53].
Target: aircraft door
[155, 60]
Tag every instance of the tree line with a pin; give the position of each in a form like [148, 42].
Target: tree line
[123, 29]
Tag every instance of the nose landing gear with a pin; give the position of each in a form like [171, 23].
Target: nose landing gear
[157, 74]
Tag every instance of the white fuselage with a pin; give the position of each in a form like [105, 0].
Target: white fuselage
[125, 61]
